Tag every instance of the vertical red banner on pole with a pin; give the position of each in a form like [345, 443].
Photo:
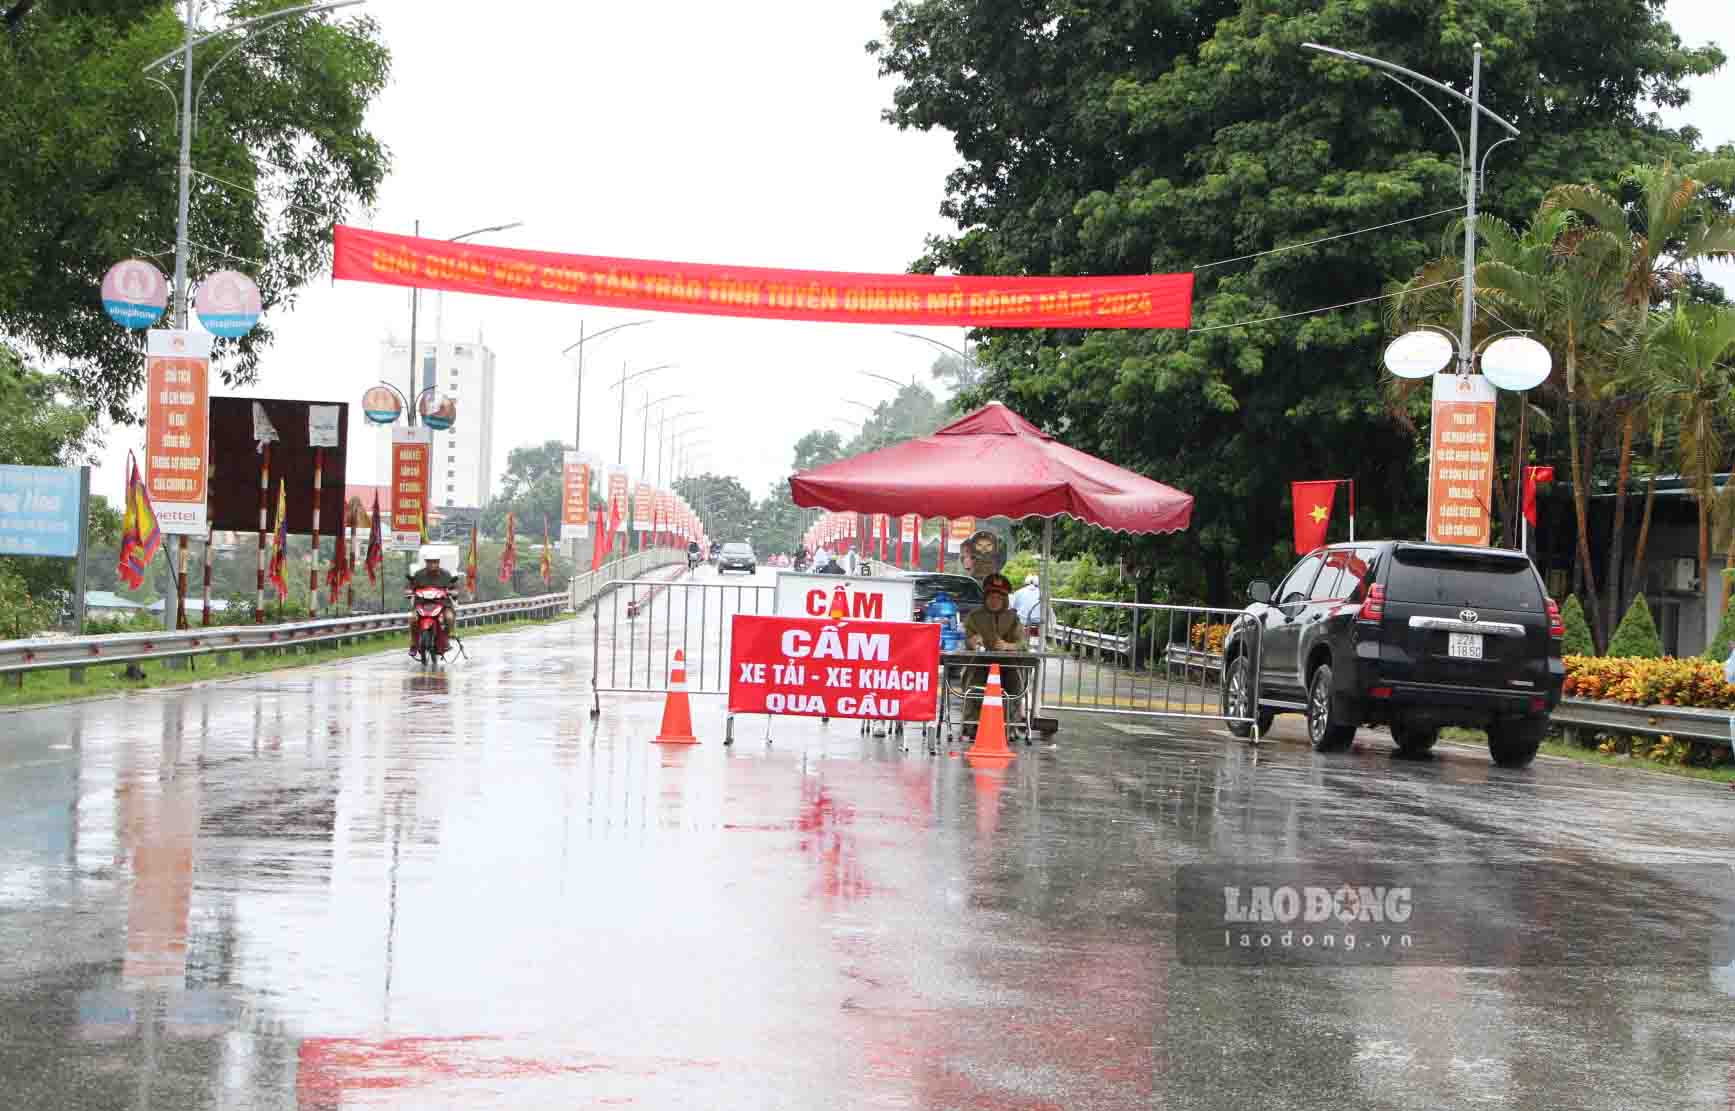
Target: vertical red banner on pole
[410, 467]
[177, 441]
[575, 497]
[1461, 462]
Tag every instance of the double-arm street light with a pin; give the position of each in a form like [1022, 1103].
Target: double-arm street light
[188, 107]
[1468, 164]
[175, 617]
[886, 378]
[666, 442]
[415, 314]
[620, 384]
[578, 406]
[645, 431]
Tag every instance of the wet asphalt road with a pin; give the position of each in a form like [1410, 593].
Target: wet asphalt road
[357, 886]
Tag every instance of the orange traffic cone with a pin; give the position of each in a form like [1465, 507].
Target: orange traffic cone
[677, 715]
[991, 724]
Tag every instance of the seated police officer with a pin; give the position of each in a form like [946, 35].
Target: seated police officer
[993, 627]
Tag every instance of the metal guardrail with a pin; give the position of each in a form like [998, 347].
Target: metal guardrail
[1619, 717]
[21, 657]
[1070, 637]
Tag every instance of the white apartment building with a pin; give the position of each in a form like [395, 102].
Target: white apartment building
[463, 454]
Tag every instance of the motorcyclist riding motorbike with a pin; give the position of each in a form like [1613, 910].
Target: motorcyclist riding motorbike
[693, 556]
[432, 575]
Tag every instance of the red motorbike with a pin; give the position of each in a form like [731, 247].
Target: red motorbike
[429, 638]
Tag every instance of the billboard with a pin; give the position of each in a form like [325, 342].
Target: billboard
[40, 510]
[235, 459]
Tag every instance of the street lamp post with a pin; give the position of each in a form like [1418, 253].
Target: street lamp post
[187, 107]
[645, 433]
[884, 378]
[578, 396]
[620, 384]
[578, 407]
[1471, 169]
[663, 421]
[415, 316]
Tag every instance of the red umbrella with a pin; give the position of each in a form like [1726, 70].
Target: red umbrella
[994, 463]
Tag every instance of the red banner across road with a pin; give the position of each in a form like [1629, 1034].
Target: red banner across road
[885, 670]
[1125, 301]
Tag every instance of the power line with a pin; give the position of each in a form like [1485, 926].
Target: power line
[1326, 308]
[257, 193]
[1328, 238]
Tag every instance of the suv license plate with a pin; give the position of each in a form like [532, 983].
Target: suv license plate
[1464, 646]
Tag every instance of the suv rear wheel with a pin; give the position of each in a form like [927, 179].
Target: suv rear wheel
[1513, 742]
[1238, 700]
[1325, 727]
[1414, 740]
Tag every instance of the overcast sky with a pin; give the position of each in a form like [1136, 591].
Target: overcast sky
[684, 131]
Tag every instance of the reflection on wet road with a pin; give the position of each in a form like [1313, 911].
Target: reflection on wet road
[359, 886]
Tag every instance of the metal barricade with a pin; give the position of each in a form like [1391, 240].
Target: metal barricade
[1147, 660]
[637, 627]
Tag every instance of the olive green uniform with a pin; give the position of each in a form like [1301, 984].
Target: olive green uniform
[989, 626]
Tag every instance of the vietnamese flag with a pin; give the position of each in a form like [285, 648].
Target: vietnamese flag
[1313, 502]
[1532, 477]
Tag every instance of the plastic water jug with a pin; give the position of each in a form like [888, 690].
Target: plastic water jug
[944, 612]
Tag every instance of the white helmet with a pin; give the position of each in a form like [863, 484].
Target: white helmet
[429, 552]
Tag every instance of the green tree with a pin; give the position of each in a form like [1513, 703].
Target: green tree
[1578, 640]
[42, 425]
[723, 505]
[532, 487]
[816, 449]
[1690, 378]
[1720, 644]
[1171, 134]
[913, 413]
[282, 151]
[1668, 224]
[1636, 637]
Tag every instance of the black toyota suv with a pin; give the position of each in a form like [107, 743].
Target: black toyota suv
[1409, 635]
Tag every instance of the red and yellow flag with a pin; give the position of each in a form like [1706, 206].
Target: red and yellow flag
[473, 565]
[280, 546]
[509, 555]
[547, 555]
[140, 536]
[1313, 502]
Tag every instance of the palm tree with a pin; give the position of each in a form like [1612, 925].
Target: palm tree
[1689, 376]
[1559, 280]
[1662, 238]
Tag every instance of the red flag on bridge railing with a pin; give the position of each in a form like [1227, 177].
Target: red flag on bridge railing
[598, 547]
[1313, 502]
